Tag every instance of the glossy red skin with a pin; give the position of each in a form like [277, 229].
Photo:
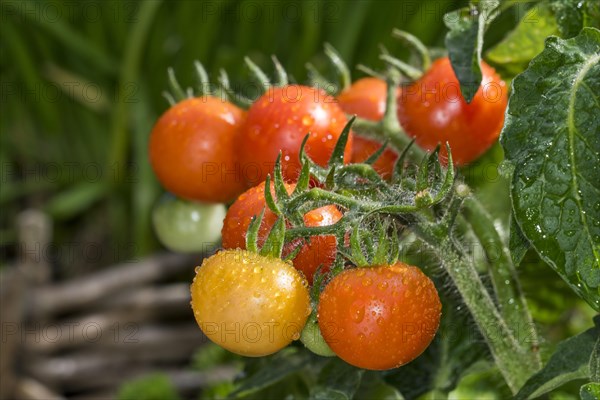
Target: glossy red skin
[379, 317]
[279, 120]
[366, 98]
[363, 148]
[193, 144]
[319, 251]
[238, 218]
[433, 111]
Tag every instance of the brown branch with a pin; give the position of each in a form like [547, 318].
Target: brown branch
[83, 292]
[120, 328]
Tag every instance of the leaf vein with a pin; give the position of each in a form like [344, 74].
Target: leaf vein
[572, 132]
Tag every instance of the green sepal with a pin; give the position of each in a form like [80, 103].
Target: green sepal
[316, 79]
[337, 156]
[340, 66]
[258, 74]
[303, 180]
[448, 179]
[252, 232]
[330, 179]
[282, 76]
[394, 249]
[380, 256]
[203, 81]
[358, 257]
[415, 45]
[278, 183]
[399, 166]
[176, 90]
[274, 244]
[408, 70]
[294, 252]
[375, 156]
[269, 197]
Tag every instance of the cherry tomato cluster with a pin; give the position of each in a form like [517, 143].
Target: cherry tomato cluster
[209, 150]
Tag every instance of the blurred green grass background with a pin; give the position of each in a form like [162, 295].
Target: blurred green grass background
[81, 88]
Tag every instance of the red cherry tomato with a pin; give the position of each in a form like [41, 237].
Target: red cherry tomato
[366, 98]
[279, 120]
[238, 218]
[192, 150]
[318, 251]
[379, 317]
[433, 111]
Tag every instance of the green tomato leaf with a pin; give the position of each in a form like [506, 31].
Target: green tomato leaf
[518, 243]
[569, 15]
[526, 40]
[337, 380]
[590, 391]
[595, 362]
[569, 362]
[151, 387]
[373, 387]
[465, 40]
[270, 370]
[551, 136]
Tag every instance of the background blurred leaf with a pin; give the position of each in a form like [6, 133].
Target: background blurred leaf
[337, 381]
[590, 391]
[152, 387]
[569, 362]
[526, 40]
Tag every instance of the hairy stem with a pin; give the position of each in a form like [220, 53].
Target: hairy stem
[511, 357]
[513, 306]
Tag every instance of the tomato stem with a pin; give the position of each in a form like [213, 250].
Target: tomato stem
[512, 352]
[415, 45]
[513, 306]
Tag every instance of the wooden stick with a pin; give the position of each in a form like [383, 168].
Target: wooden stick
[30, 389]
[82, 292]
[187, 383]
[112, 329]
[35, 234]
[12, 302]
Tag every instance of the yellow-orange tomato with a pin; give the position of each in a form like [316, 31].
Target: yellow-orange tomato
[249, 304]
[379, 317]
[192, 150]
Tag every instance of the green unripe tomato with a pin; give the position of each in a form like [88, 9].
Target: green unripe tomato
[312, 338]
[187, 226]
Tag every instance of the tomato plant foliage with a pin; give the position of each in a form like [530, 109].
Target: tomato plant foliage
[551, 136]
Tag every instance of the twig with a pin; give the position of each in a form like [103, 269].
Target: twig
[82, 292]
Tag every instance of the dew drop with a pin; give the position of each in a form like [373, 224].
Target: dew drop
[358, 314]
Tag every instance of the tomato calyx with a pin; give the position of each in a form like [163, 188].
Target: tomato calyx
[376, 213]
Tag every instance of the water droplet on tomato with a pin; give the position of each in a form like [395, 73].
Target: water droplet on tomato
[358, 313]
[307, 120]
